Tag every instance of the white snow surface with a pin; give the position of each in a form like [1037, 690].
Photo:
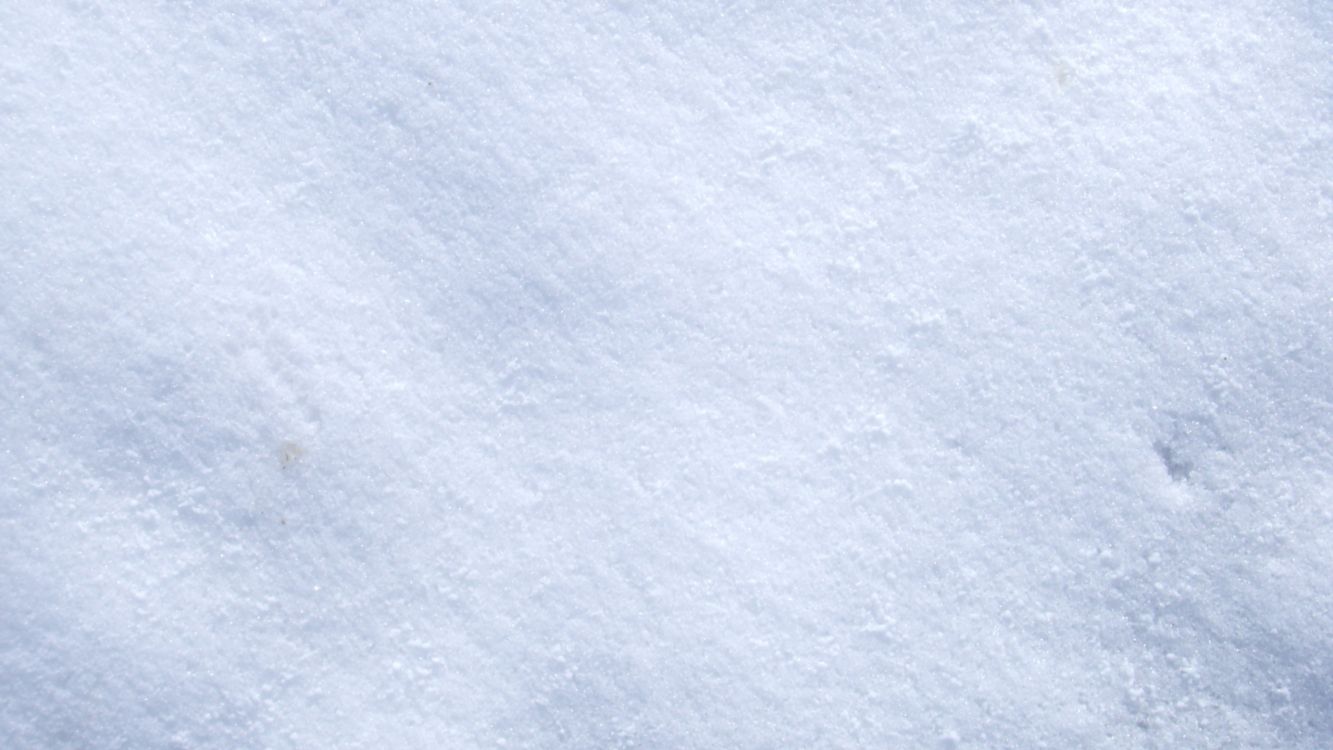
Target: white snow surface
[666, 375]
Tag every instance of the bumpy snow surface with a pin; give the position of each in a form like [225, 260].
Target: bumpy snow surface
[666, 375]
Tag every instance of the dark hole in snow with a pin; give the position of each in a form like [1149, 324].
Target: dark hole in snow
[1177, 467]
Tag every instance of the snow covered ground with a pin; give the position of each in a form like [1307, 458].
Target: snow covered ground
[666, 375]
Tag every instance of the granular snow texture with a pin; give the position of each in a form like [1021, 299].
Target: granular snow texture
[666, 375]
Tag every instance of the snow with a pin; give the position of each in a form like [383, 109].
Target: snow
[753, 375]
